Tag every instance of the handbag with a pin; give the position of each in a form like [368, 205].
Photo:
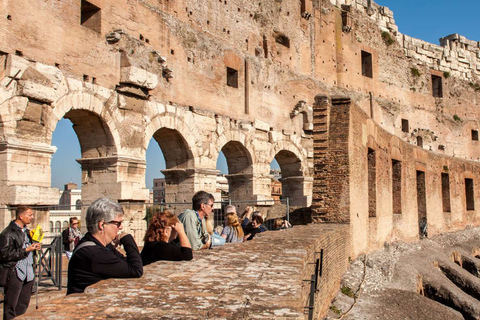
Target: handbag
[4, 272]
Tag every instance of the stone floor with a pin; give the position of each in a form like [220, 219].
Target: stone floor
[260, 279]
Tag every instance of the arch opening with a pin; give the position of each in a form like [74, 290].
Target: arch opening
[175, 172]
[293, 183]
[240, 171]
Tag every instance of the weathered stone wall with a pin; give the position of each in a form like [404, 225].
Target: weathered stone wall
[421, 192]
[267, 278]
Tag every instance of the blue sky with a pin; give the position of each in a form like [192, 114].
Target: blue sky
[431, 20]
[428, 20]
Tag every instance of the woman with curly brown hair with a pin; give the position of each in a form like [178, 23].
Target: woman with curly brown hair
[164, 228]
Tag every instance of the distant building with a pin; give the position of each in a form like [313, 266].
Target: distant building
[276, 190]
[69, 205]
[159, 190]
[221, 188]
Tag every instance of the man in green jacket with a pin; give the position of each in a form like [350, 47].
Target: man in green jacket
[194, 220]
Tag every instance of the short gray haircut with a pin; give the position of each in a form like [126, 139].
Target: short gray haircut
[102, 209]
[230, 208]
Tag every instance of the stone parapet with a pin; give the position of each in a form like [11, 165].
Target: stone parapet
[267, 278]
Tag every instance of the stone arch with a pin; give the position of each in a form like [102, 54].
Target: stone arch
[240, 170]
[175, 140]
[297, 185]
[92, 122]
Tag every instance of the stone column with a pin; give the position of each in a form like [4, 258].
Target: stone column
[298, 189]
[25, 179]
[121, 179]
[182, 184]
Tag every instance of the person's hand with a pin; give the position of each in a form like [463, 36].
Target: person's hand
[179, 227]
[35, 246]
[246, 237]
[117, 240]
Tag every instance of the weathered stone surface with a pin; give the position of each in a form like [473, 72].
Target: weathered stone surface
[260, 279]
[139, 77]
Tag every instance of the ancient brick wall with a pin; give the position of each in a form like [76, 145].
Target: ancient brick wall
[267, 278]
[410, 183]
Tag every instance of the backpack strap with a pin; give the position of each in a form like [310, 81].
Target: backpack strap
[83, 245]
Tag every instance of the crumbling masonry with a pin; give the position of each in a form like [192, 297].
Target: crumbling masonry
[392, 120]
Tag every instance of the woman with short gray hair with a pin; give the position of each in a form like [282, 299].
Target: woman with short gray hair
[95, 257]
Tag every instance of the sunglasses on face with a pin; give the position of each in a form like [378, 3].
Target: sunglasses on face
[117, 223]
[209, 205]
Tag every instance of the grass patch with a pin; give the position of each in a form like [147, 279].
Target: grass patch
[387, 38]
[336, 310]
[446, 74]
[457, 118]
[415, 72]
[474, 86]
[348, 292]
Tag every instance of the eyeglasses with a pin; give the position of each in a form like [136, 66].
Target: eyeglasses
[210, 205]
[117, 223]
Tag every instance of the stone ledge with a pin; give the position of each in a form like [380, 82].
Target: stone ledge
[262, 279]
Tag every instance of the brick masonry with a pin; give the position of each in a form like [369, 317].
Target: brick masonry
[263, 278]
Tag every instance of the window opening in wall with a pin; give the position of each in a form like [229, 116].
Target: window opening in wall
[282, 39]
[265, 47]
[437, 86]
[397, 186]
[475, 135]
[420, 142]
[469, 194]
[232, 77]
[90, 16]
[367, 67]
[372, 184]
[405, 127]
[446, 192]
[421, 204]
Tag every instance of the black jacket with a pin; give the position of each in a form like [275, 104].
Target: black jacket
[158, 250]
[91, 264]
[11, 245]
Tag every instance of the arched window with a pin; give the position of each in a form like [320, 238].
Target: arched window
[78, 205]
[65, 225]
[51, 226]
[57, 226]
[420, 142]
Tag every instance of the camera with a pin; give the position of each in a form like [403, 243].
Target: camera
[205, 238]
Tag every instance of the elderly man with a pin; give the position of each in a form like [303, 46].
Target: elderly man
[194, 220]
[95, 257]
[16, 263]
[71, 236]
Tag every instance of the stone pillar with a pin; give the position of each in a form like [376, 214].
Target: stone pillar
[249, 186]
[25, 179]
[121, 179]
[182, 184]
[118, 178]
[298, 189]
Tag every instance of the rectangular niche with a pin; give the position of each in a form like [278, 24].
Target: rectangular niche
[372, 184]
[469, 194]
[90, 16]
[397, 186]
[405, 127]
[367, 64]
[421, 195]
[437, 89]
[475, 135]
[232, 78]
[446, 192]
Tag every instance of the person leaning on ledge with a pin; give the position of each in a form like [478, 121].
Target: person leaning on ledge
[95, 257]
